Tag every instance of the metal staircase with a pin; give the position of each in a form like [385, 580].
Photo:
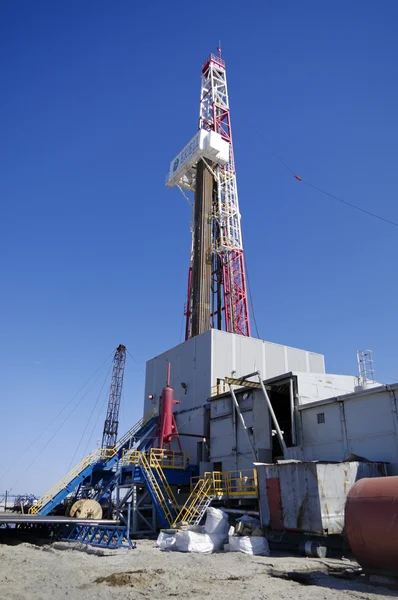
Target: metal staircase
[139, 436]
[197, 503]
[158, 487]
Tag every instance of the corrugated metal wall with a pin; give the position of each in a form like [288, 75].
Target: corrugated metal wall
[200, 361]
[365, 424]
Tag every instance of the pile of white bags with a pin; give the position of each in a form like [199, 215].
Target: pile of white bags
[247, 537]
[203, 540]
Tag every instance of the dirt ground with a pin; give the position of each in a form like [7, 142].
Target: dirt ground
[29, 572]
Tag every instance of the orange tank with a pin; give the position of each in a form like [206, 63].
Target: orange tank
[371, 523]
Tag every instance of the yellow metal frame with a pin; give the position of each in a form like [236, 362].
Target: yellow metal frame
[230, 483]
[167, 459]
[151, 464]
[191, 508]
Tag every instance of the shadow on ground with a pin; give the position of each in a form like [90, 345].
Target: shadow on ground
[338, 579]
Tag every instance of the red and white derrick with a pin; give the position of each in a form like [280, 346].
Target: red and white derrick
[229, 301]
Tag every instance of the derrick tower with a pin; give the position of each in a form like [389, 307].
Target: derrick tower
[217, 296]
[111, 424]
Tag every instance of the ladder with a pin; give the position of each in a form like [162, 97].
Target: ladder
[198, 502]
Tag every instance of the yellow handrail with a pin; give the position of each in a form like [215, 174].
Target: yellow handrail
[94, 456]
[231, 483]
[191, 508]
[151, 465]
[167, 459]
[155, 464]
[163, 501]
[130, 433]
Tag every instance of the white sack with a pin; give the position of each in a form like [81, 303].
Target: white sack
[166, 541]
[189, 541]
[216, 521]
[201, 543]
[249, 545]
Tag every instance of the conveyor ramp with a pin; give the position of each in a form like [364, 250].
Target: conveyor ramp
[138, 437]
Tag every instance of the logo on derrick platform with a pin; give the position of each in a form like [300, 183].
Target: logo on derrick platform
[175, 166]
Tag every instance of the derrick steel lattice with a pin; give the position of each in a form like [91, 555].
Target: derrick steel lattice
[228, 302]
[111, 425]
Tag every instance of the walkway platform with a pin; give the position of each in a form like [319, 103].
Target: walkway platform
[18, 518]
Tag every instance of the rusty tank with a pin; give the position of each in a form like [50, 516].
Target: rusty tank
[371, 523]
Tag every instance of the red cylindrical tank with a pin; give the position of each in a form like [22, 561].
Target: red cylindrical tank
[167, 410]
[371, 522]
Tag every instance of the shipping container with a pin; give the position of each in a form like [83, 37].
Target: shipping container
[309, 497]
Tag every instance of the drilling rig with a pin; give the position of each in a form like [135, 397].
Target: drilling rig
[217, 296]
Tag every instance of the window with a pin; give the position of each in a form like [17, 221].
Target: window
[321, 418]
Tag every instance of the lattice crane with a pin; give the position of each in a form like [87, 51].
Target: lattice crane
[111, 425]
[217, 296]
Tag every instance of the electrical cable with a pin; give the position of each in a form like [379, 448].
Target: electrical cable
[250, 296]
[190, 418]
[90, 417]
[350, 204]
[363, 210]
[54, 419]
[181, 328]
[53, 436]
[136, 362]
[95, 425]
[395, 379]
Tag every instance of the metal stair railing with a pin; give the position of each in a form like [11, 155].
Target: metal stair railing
[92, 458]
[197, 503]
[155, 464]
[164, 502]
[135, 429]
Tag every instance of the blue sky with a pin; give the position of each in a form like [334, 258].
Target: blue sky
[97, 98]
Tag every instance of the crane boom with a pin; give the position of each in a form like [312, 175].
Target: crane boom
[109, 436]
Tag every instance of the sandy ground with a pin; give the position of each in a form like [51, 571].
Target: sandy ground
[29, 572]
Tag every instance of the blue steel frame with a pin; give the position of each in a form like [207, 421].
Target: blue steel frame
[144, 434]
[101, 536]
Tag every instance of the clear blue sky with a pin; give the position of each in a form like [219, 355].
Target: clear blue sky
[96, 99]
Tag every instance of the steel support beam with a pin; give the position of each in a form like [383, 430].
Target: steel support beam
[272, 413]
[242, 420]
